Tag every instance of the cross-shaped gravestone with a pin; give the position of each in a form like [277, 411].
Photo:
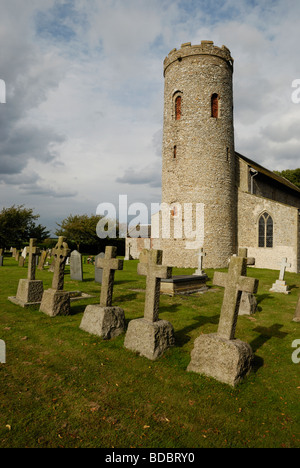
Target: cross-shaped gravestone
[60, 252]
[151, 266]
[201, 256]
[32, 251]
[108, 264]
[284, 264]
[234, 282]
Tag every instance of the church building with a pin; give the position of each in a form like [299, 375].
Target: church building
[217, 199]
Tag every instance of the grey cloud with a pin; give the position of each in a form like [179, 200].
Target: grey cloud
[148, 176]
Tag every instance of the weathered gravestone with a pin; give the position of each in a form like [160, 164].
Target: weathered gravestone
[220, 355]
[248, 302]
[297, 312]
[42, 261]
[200, 270]
[150, 336]
[103, 319]
[1, 257]
[2, 352]
[30, 290]
[55, 300]
[76, 272]
[98, 271]
[280, 285]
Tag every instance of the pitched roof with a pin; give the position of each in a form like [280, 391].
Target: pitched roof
[268, 173]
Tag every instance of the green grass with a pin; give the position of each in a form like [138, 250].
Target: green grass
[62, 387]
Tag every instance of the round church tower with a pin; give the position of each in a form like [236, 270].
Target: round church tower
[199, 165]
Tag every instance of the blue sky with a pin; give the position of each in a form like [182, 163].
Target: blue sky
[84, 80]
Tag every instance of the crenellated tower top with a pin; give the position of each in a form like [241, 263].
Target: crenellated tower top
[205, 48]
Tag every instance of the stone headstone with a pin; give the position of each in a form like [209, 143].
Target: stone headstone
[103, 319]
[297, 312]
[220, 355]
[76, 272]
[200, 270]
[248, 302]
[1, 257]
[150, 336]
[21, 261]
[42, 261]
[56, 301]
[98, 271]
[280, 285]
[30, 290]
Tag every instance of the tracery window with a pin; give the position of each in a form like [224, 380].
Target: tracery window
[265, 230]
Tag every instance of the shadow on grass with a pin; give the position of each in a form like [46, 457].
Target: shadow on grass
[267, 334]
[182, 336]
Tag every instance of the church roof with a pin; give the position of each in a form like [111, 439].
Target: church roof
[268, 173]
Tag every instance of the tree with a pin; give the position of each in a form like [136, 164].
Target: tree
[80, 229]
[17, 226]
[293, 175]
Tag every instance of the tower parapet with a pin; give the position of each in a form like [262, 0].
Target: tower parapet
[205, 48]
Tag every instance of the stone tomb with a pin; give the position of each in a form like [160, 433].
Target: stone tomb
[30, 290]
[150, 336]
[186, 284]
[103, 319]
[56, 301]
[280, 285]
[220, 355]
[76, 272]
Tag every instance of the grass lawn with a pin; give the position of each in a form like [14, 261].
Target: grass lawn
[61, 387]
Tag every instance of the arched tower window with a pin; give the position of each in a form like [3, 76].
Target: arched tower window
[215, 105]
[178, 108]
[265, 230]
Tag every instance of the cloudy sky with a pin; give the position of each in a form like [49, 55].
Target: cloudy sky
[82, 123]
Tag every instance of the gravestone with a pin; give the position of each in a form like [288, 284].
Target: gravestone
[2, 352]
[52, 266]
[297, 312]
[220, 355]
[200, 270]
[30, 290]
[42, 261]
[56, 301]
[21, 261]
[149, 336]
[76, 266]
[248, 302]
[280, 285]
[98, 271]
[1, 257]
[103, 319]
